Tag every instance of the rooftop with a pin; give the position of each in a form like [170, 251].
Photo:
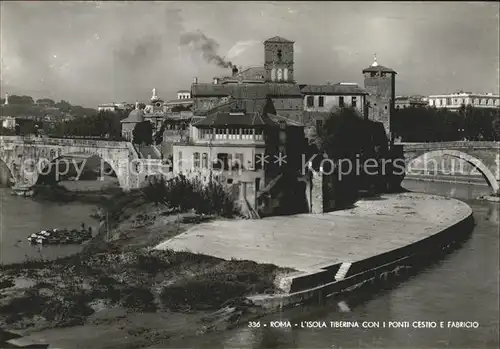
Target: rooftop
[335, 89]
[378, 68]
[179, 101]
[245, 90]
[249, 112]
[278, 39]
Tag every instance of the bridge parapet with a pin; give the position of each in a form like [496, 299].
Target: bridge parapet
[65, 142]
[450, 145]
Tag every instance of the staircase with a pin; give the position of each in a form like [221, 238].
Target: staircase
[343, 270]
[148, 152]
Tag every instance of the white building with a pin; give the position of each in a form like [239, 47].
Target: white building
[9, 122]
[183, 94]
[456, 100]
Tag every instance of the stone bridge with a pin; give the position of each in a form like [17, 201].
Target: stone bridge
[26, 157]
[483, 157]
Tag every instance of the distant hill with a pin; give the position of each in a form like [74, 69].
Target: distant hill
[25, 106]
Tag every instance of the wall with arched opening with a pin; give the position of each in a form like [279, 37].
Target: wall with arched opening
[475, 163]
[79, 172]
[6, 176]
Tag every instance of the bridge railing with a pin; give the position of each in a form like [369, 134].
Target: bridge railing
[458, 144]
[65, 142]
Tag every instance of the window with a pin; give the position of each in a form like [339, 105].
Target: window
[204, 160]
[196, 160]
[273, 74]
[221, 162]
[341, 102]
[229, 161]
[285, 74]
[319, 124]
[257, 184]
[259, 159]
[321, 101]
[353, 102]
[279, 55]
[180, 160]
[280, 74]
[238, 161]
[385, 107]
[310, 101]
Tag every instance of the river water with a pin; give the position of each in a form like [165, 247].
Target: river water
[20, 217]
[461, 287]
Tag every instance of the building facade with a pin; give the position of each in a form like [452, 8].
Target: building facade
[183, 94]
[320, 100]
[402, 102]
[240, 142]
[454, 101]
[275, 80]
[380, 83]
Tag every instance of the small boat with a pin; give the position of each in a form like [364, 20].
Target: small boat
[23, 190]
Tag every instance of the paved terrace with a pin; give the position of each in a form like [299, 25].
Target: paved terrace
[308, 241]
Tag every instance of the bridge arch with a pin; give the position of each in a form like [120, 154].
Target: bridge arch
[71, 159]
[475, 162]
[6, 173]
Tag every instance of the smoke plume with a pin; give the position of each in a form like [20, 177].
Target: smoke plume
[207, 46]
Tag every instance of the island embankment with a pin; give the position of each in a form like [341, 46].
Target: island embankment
[206, 273]
[336, 251]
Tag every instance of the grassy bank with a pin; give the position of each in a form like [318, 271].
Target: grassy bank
[119, 270]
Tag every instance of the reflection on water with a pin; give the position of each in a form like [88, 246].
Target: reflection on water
[463, 286]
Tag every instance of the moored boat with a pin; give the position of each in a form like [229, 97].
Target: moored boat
[60, 237]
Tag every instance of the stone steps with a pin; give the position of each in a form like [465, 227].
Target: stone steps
[343, 270]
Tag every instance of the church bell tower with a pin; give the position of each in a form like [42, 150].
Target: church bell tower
[278, 60]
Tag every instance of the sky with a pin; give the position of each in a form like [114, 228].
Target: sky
[101, 52]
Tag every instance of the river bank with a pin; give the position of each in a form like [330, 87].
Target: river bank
[118, 278]
[120, 285]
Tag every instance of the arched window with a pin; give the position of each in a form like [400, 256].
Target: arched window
[280, 74]
[285, 75]
[273, 74]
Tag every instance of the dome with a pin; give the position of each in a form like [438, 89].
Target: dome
[136, 115]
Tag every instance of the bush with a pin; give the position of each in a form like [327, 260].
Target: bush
[186, 194]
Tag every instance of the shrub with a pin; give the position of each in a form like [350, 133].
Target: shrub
[185, 194]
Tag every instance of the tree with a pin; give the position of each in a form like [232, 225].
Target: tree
[46, 101]
[63, 106]
[348, 140]
[143, 133]
[496, 127]
[22, 100]
[105, 124]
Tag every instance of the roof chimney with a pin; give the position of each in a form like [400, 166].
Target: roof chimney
[235, 70]
[195, 80]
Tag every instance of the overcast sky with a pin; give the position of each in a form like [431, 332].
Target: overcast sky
[98, 52]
